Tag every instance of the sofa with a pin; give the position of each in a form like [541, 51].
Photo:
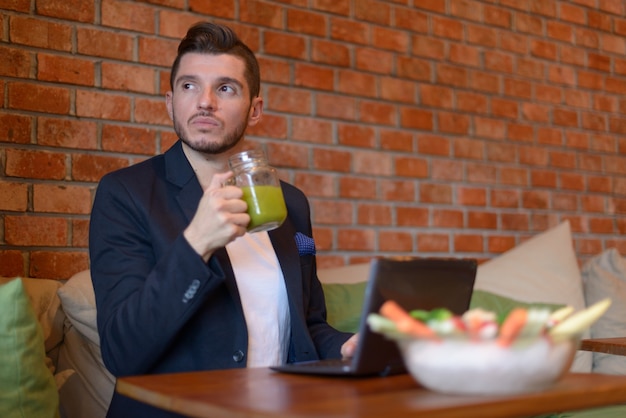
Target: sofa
[64, 356]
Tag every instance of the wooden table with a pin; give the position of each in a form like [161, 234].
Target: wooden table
[615, 346]
[264, 393]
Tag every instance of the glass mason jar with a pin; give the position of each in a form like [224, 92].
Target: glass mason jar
[261, 189]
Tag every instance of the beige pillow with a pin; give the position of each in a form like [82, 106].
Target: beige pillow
[542, 269]
[605, 276]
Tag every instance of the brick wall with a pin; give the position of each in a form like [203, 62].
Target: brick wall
[439, 127]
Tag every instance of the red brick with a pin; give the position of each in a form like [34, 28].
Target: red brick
[435, 193]
[467, 243]
[15, 128]
[536, 199]
[428, 47]
[377, 112]
[128, 139]
[80, 233]
[102, 105]
[514, 221]
[374, 60]
[562, 159]
[411, 216]
[396, 140]
[303, 21]
[18, 6]
[530, 68]
[35, 231]
[513, 176]
[67, 133]
[356, 239]
[314, 76]
[35, 164]
[416, 118]
[41, 34]
[283, 154]
[38, 98]
[57, 265]
[61, 199]
[401, 191]
[564, 202]
[356, 83]
[273, 126]
[447, 28]
[412, 20]
[471, 196]
[454, 123]
[261, 14]
[446, 218]
[395, 241]
[101, 43]
[349, 31]
[433, 145]
[272, 70]
[466, 10]
[469, 148]
[548, 93]
[505, 198]
[486, 82]
[331, 159]
[128, 78]
[433, 243]
[289, 100]
[86, 167]
[373, 163]
[314, 130]
[373, 11]
[332, 212]
[356, 135]
[489, 128]
[436, 96]
[284, 45]
[501, 152]
[336, 107]
[217, 8]
[12, 264]
[482, 220]
[315, 185]
[599, 184]
[411, 167]
[65, 70]
[526, 23]
[397, 90]
[481, 35]
[497, 16]
[82, 11]
[481, 173]
[373, 214]
[331, 53]
[500, 244]
[14, 196]
[15, 62]
[128, 15]
[453, 76]
[159, 52]
[550, 136]
[517, 88]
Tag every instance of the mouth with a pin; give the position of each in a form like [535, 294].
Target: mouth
[204, 121]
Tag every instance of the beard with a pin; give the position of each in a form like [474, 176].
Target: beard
[207, 146]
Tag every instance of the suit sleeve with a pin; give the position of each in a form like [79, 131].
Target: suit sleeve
[143, 299]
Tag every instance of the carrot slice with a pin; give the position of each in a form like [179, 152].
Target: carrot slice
[404, 322]
[512, 326]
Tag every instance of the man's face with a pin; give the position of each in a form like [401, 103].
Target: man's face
[210, 102]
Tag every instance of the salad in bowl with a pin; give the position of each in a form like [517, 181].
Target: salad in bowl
[479, 353]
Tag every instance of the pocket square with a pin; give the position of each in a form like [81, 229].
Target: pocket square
[306, 245]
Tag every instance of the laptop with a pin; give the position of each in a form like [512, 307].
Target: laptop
[414, 283]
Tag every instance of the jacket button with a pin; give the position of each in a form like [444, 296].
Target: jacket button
[238, 356]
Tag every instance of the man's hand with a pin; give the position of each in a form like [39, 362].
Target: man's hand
[220, 218]
[349, 347]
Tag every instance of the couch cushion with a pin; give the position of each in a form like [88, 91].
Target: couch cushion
[605, 276]
[27, 387]
[542, 269]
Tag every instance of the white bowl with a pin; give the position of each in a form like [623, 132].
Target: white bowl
[458, 366]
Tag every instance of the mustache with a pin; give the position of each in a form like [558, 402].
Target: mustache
[204, 114]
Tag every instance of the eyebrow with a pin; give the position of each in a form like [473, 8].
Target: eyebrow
[222, 80]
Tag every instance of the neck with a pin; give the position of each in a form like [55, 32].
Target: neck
[206, 165]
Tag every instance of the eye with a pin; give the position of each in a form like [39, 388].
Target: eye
[187, 86]
[226, 88]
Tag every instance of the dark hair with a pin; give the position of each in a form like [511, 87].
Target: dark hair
[211, 38]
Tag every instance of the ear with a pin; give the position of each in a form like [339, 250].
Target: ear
[168, 103]
[256, 111]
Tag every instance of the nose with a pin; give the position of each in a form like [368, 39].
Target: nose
[207, 100]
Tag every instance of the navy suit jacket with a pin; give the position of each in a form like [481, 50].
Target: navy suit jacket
[160, 307]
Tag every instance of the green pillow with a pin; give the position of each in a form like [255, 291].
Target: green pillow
[27, 387]
[344, 304]
[502, 305]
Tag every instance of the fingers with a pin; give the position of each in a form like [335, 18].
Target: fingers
[220, 179]
[349, 347]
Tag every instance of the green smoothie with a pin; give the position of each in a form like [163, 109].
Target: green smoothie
[266, 207]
